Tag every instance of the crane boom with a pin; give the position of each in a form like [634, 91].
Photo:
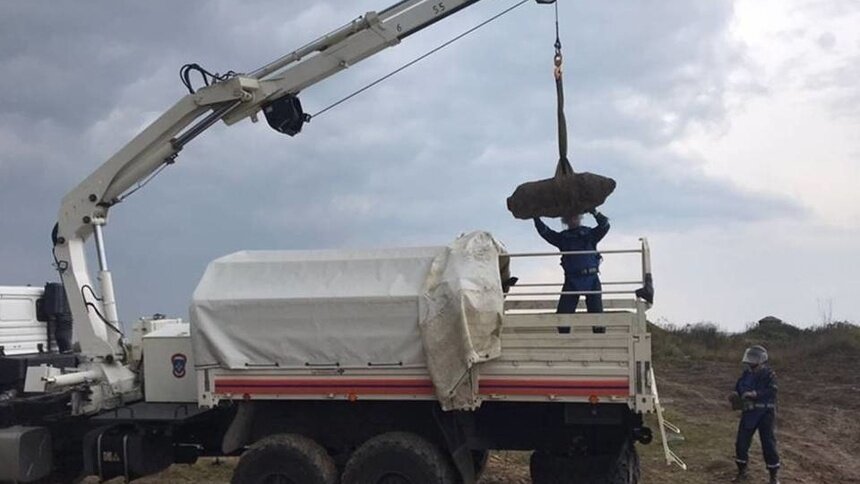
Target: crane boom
[273, 89]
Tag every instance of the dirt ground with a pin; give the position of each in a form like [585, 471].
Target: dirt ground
[818, 426]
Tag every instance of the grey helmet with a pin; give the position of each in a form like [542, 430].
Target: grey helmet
[755, 355]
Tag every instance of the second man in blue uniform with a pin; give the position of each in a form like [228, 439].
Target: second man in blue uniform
[756, 390]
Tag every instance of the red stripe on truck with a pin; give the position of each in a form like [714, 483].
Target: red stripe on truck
[579, 388]
[301, 386]
[363, 386]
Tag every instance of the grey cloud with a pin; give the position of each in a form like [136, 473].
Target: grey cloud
[826, 41]
[838, 86]
[428, 154]
[829, 8]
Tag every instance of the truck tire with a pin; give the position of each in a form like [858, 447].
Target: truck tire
[399, 458]
[285, 459]
[626, 468]
[547, 468]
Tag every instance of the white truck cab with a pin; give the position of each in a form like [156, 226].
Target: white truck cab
[20, 331]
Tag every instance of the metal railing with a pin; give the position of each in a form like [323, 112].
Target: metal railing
[644, 280]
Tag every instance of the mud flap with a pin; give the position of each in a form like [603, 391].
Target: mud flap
[239, 433]
[456, 429]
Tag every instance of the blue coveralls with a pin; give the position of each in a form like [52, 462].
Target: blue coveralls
[759, 414]
[580, 271]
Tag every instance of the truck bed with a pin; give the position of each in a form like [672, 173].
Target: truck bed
[604, 358]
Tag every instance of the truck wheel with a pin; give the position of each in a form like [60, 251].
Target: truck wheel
[626, 468]
[398, 458]
[547, 468]
[285, 459]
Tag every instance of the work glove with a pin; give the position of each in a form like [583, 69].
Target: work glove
[735, 401]
[749, 395]
[596, 214]
[599, 217]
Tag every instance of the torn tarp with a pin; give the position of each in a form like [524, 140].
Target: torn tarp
[460, 316]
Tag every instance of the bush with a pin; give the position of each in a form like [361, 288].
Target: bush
[706, 341]
[703, 340]
[835, 340]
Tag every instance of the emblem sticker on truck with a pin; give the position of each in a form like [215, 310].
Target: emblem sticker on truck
[178, 362]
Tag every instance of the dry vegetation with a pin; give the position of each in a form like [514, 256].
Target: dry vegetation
[819, 415]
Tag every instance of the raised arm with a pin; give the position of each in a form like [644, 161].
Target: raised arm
[547, 233]
[599, 232]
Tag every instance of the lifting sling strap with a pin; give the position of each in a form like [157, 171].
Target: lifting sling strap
[567, 193]
[563, 167]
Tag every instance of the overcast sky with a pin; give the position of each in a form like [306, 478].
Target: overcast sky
[732, 128]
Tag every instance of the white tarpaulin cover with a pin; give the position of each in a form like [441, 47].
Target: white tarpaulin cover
[461, 317]
[439, 307]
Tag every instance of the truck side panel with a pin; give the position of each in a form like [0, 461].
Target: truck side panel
[601, 359]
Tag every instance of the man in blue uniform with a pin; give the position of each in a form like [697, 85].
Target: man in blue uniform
[757, 391]
[581, 271]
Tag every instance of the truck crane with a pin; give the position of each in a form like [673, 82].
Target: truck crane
[107, 410]
[272, 89]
